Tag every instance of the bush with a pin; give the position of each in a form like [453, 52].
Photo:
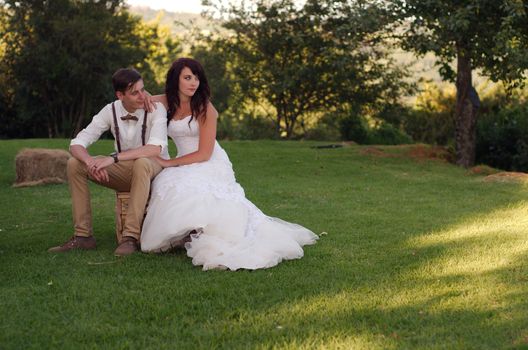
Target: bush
[326, 129]
[322, 132]
[354, 128]
[502, 138]
[255, 128]
[249, 127]
[386, 134]
[432, 118]
[225, 129]
[437, 128]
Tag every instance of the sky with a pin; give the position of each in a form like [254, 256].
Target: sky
[193, 6]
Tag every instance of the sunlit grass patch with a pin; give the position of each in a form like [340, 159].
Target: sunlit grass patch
[480, 244]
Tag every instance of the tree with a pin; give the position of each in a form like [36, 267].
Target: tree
[162, 49]
[7, 111]
[210, 51]
[321, 56]
[478, 34]
[59, 57]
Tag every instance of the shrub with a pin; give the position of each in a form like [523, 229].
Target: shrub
[432, 118]
[225, 129]
[322, 132]
[249, 127]
[502, 138]
[354, 127]
[387, 134]
[326, 129]
[255, 127]
[437, 128]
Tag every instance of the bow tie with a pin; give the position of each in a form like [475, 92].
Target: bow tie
[129, 117]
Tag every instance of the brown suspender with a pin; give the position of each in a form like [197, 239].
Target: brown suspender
[144, 128]
[116, 128]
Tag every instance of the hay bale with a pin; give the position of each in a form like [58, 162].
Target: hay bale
[38, 166]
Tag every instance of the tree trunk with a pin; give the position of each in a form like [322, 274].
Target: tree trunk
[290, 126]
[467, 105]
[278, 126]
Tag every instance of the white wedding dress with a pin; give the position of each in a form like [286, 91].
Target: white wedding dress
[230, 231]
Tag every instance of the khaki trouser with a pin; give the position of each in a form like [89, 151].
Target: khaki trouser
[132, 176]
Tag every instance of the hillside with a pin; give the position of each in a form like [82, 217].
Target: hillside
[179, 22]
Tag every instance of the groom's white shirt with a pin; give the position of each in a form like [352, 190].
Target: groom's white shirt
[129, 130]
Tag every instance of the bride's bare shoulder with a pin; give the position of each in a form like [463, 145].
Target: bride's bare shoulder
[211, 111]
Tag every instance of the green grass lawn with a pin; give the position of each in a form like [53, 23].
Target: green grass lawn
[417, 255]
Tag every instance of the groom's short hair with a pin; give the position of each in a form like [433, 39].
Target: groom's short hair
[124, 78]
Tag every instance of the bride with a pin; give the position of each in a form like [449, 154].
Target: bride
[196, 198]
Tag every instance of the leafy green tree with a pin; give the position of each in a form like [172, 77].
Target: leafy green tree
[321, 56]
[162, 49]
[211, 53]
[479, 34]
[7, 111]
[59, 56]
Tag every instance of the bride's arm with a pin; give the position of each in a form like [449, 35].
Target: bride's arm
[205, 146]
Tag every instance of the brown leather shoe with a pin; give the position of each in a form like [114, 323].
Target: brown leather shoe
[75, 242]
[128, 245]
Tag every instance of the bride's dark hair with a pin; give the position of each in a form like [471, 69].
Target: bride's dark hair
[199, 100]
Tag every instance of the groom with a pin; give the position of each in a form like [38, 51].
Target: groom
[138, 136]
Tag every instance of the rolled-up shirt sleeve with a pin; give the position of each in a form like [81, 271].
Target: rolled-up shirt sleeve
[99, 124]
[158, 131]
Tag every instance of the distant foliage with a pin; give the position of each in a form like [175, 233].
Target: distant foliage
[309, 58]
[215, 59]
[249, 127]
[326, 128]
[57, 60]
[431, 120]
[161, 48]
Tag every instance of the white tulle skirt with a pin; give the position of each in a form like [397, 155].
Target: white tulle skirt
[230, 232]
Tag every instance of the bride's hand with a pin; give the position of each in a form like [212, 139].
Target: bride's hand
[150, 106]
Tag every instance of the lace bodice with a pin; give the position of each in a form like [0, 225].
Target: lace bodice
[186, 136]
